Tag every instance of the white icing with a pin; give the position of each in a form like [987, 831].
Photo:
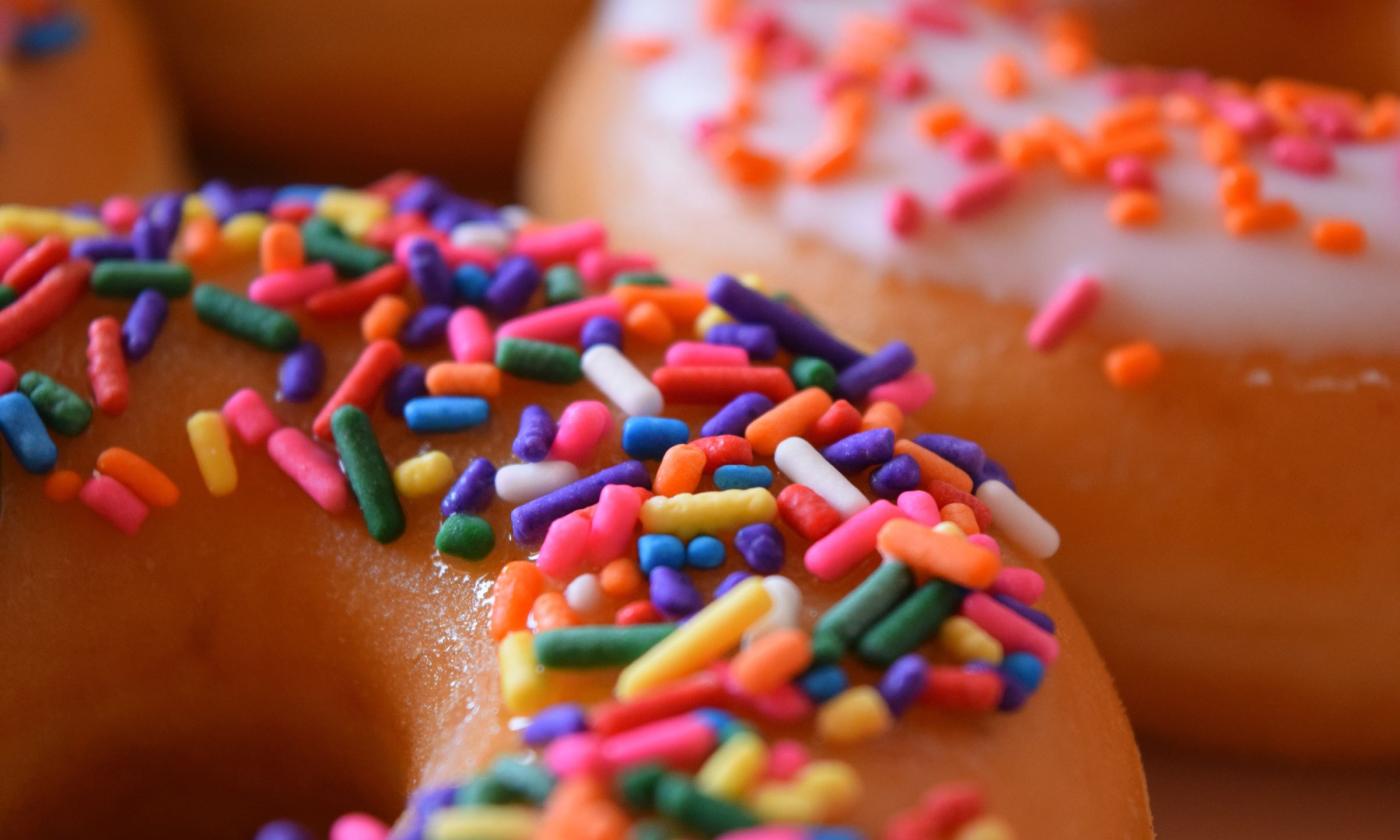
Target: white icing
[1185, 282]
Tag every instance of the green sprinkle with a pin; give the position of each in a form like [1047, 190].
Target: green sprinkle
[850, 617]
[639, 278]
[528, 781]
[678, 798]
[540, 360]
[910, 624]
[598, 646]
[321, 226]
[562, 284]
[351, 259]
[59, 406]
[484, 790]
[7, 296]
[368, 473]
[827, 647]
[636, 786]
[650, 830]
[468, 537]
[239, 317]
[811, 372]
[129, 278]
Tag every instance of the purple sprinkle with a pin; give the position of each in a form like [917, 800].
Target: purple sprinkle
[256, 199]
[143, 322]
[426, 327]
[1031, 614]
[408, 382]
[455, 210]
[795, 332]
[903, 681]
[736, 416]
[423, 197]
[430, 272]
[530, 521]
[283, 830]
[673, 594]
[899, 474]
[429, 800]
[472, 491]
[554, 722]
[302, 371]
[993, 471]
[758, 340]
[854, 453]
[884, 365]
[510, 291]
[963, 454]
[600, 329]
[536, 434]
[147, 242]
[221, 197]
[730, 581]
[761, 546]
[99, 248]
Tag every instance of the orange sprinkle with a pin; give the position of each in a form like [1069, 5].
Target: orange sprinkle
[1080, 160]
[620, 578]
[649, 323]
[748, 60]
[681, 304]
[280, 248]
[1264, 217]
[1132, 365]
[1129, 117]
[579, 808]
[1239, 186]
[962, 516]
[1135, 208]
[1069, 57]
[743, 165]
[139, 475]
[63, 485]
[384, 318]
[934, 554]
[934, 467]
[1381, 119]
[1221, 145]
[719, 15]
[883, 414]
[474, 379]
[517, 586]
[1003, 77]
[1185, 109]
[680, 471]
[202, 241]
[642, 49]
[790, 418]
[1339, 236]
[829, 158]
[1023, 149]
[1147, 142]
[940, 119]
[551, 611]
[771, 661]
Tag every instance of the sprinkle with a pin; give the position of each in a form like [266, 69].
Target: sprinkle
[598, 647]
[54, 295]
[473, 489]
[737, 414]
[796, 333]
[476, 379]
[837, 553]
[903, 682]
[523, 686]
[563, 324]
[714, 512]
[802, 464]
[62, 486]
[517, 483]
[601, 330]
[143, 324]
[673, 593]
[209, 440]
[314, 470]
[429, 272]
[708, 385]
[1135, 209]
[1339, 236]
[529, 521]
[140, 476]
[515, 282]
[978, 193]
[1302, 154]
[700, 354]
[1068, 308]
[248, 415]
[620, 381]
[279, 248]
[762, 547]
[910, 392]
[903, 213]
[909, 624]
[742, 477]
[758, 341]
[648, 438]
[114, 502]
[282, 289]
[899, 475]
[1264, 217]
[516, 588]
[349, 299]
[536, 434]
[424, 475]
[241, 318]
[1133, 365]
[772, 661]
[937, 554]
[581, 428]
[806, 512]
[539, 360]
[678, 799]
[1021, 522]
[368, 473]
[426, 327]
[128, 278]
[861, 450]
[857, 714]
[680, 471]
[613, 522]
[1130, 172]
[106, 366]
[25, 434]
[1016, 634]
[32, 264]
[362, 384]
[872, 599]
[385, 319]
[465, 536]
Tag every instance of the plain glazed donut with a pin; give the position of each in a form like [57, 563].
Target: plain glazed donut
[1230, 514]
[196, 630]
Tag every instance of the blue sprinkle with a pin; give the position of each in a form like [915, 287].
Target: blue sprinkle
[648, 438]
[600, 329]
[722, 723]
[24, 431]
[471, 282]
[536, 434]
[822, 682]
[854, 453]
[445, 414]
[409, 382]
[743, 477]
[1022, 674]
[736, 415]
[56, 33]
[554, 722]
[473, 490]
[300, 375]
[761, 546]
[657, 550]
[704, 552]
[899, 474]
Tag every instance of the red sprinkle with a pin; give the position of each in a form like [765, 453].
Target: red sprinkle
[36, 262]
[713, 385]
[806, 512]
[350, 299]
[106, 367]
[42, 305]
[723, 450]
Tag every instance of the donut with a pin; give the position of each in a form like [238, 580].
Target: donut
[222, 600]
[82, 110]
[1166, 299]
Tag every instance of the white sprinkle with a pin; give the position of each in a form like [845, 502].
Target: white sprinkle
[584, 594]
[1020, 522]
[489, 235]
[620, 381]
[519, 483]
[802, 463]
[785, 612]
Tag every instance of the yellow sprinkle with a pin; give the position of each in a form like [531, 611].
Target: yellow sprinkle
[242, 233]
[986, 828]
[424, 475]
[689, 514]
[707, 636]
[33, 222]
[834, 784]
[195, 207]
[784, 803]
[524, 687]
[967, 642]
[731, 771]
[855, 714]
[209, 440]
[482, 822]
[950, 528]
[710, 316]
[751, 280]
[356, 212]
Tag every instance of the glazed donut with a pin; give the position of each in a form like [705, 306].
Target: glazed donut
[201, 609]
[82, 111]
[1215, 431]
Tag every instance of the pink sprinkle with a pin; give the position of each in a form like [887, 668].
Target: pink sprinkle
[561, 243]
[680, 743]
[561, 554]
[12, 247]
[288, 288]
[936, 16]
[767, 832]
[910, 392]
[120, 212]
[950, 806]
[248, 415]
[111, 500]
[561, 324]
[582, 426]
[758, 26]
[1246, 116]
[920, 507]
[903, 213]
[707, 129]
[313, 469]
[790, 53]
[1015, 633]
[614, 520]
[701, 354]
[832, 82]
[979, 192]
[836, 554]
[904, 82]
[459, 255]
[469, 336]
[986, 541]
[8, 377]
[1302, 154]
[1025, 585]
[785, 704]
[599, 267]
[786, 758]
[358, 827]
[576, 754]
[1130, 172]
[1070, 306]
[971, 143]
[1330, 119]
